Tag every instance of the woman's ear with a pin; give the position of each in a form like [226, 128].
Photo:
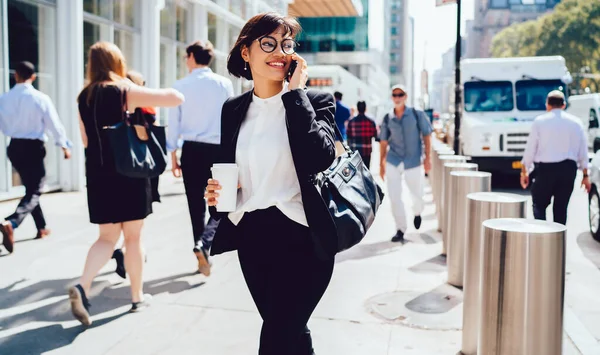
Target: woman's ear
[245, 52]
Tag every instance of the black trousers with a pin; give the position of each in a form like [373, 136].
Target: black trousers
[27, 157]
[196, 161]
[553, 180]
[285, 278]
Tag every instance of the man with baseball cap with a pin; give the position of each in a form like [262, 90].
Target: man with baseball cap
[403, 131]
[556, 147]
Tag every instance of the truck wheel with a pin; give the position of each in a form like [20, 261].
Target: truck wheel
[594, 213]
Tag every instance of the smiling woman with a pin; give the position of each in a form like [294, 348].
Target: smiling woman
[278, 135]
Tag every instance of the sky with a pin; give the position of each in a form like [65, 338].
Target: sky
[435, 31]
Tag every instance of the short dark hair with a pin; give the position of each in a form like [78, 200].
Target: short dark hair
[556, 102]
[203, 52]
[338, 95]
[361, 106]
[25, 70]
[258, 26]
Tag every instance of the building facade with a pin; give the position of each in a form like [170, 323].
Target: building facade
[344, 41]
[492, 16]
[55, 36]
[401, 60]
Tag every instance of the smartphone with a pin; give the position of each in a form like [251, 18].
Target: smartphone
[293, 66]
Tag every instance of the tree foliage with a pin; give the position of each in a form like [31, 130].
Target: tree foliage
[572, 30]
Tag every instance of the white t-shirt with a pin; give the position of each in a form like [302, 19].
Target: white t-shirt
[267, 173]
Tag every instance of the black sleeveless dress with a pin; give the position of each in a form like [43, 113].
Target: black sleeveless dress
[112, 198]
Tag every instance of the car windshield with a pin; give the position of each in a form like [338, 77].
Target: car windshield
[485, 96]
[531, 94]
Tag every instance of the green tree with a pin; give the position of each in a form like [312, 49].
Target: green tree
[572, 30]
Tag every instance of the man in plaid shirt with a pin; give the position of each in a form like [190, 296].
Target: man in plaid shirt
[361, 131]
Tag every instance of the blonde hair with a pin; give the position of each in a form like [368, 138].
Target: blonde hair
[106, 65]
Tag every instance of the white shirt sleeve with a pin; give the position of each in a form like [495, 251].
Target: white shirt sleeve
[531, 148]
[174, 128]
[53, 124]
[582, 155]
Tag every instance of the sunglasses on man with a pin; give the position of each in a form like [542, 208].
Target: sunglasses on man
[399, 95]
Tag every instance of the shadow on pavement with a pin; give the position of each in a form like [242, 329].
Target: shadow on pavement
[437, 264]
[590, 248]
[45, 339]
[105, 298]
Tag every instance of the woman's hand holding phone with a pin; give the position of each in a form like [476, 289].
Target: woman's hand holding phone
[300, 75]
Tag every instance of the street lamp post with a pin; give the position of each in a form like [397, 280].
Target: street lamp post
[457, 89]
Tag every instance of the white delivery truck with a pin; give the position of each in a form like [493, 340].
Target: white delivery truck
[501, 98]
[587, 108]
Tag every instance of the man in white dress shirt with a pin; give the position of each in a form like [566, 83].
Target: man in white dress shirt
[556, 147]
[197, 122]
[26, 114]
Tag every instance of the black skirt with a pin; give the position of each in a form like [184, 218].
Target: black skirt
[113, 198]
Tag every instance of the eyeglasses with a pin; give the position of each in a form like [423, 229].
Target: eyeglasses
[268, 44]
[399, 95]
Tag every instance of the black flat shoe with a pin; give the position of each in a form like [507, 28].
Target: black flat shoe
[80, 305]
[399, 237]
[417, 222]
[120, 259]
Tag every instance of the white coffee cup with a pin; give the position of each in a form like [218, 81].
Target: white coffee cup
[227, 176]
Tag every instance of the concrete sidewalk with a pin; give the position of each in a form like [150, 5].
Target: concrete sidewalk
[363, 312]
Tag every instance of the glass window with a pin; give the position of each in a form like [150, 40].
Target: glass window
[234, 32]
[531, 94]
[486, 96]
[181, 24]
[125, 40]
[238, 7]
[212, 28]
[166, 22]
[394, 30]
[102, 8]
[124, 12]
[335, 33]
[393, 57]
[182, 69]
[393, 69]
[498, 4]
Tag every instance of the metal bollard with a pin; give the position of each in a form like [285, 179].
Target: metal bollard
[446, 203]
[436, 173]
[436, 167]
[462, 183]
[481, 207]
[522, 287]
[443, 159]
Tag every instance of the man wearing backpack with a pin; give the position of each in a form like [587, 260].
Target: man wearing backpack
[403, 131]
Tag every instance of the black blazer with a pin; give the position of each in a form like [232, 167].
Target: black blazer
[309, 117]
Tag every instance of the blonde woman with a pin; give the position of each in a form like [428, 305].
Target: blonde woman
[118, 204]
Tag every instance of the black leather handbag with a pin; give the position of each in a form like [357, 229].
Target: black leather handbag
[138, 149]
[351, 194]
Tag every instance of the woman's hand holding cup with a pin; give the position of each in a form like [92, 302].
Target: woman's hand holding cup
[212, 192]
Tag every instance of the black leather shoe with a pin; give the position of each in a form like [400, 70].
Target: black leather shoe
[417, 222]
[399, 237]
[120, 259]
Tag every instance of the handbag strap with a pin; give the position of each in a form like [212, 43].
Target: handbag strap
[98, 88]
